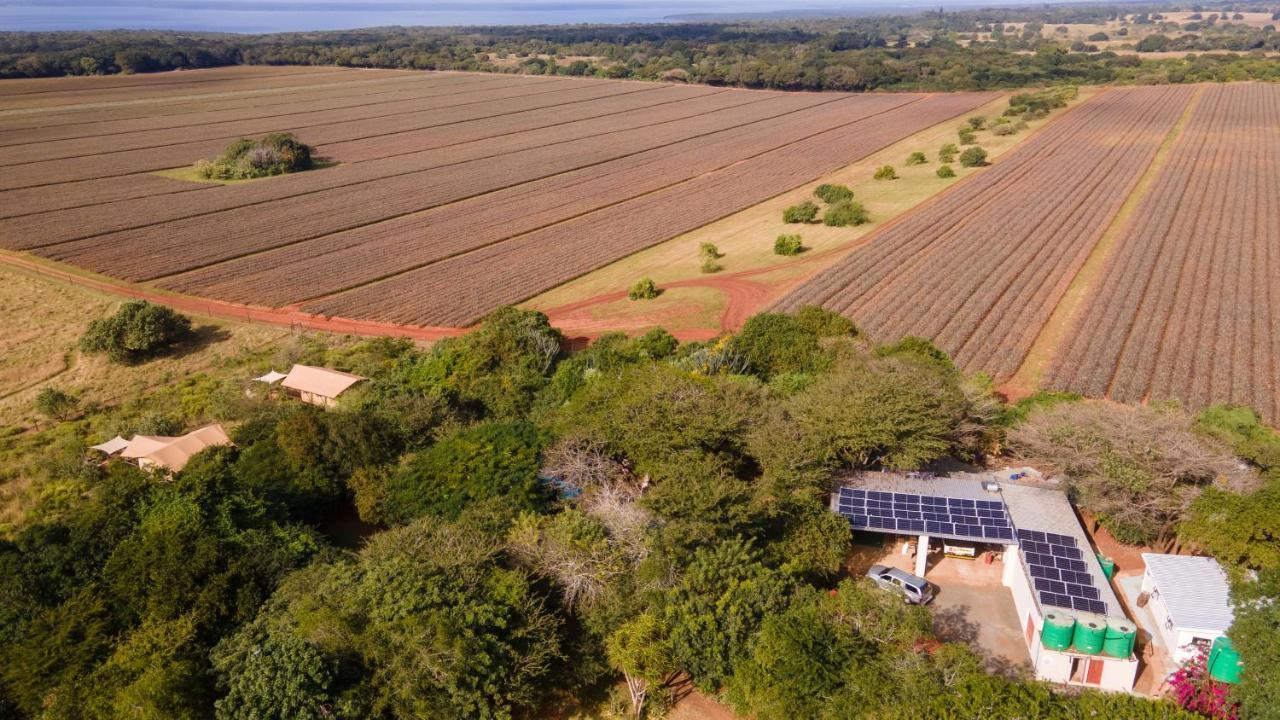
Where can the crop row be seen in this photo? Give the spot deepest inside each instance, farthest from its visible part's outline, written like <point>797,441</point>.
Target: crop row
<point>72,120</point>
<point>1189,306</point>
<point>459,290</point>
<point>55,101</point>
<point>456,138</point>
<point>330,263</point>
<point>979,269</point>
<point>30,145</point>
<point>446,130</point>
<point>31,86</point>
<point>173,247</point>
<point>417,114</point>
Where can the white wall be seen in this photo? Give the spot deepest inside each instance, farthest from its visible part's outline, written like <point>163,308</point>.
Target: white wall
<point>1178,640</point>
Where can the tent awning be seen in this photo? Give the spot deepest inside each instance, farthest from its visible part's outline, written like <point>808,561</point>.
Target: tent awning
<point>272,377</point>
<point>112,446</point>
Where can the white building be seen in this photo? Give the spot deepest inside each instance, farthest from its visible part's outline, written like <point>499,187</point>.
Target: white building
<point>1190,599</point>
<point>1029,511</point>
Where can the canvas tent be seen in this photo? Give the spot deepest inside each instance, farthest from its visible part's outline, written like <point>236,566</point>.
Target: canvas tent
<point>172,453</point>
<point>112,446</point>
<point>317,385</point>
<point>271,378</point>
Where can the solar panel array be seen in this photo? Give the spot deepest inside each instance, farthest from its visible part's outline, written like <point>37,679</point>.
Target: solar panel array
<point>1059,572</point>
<point>976,520</point>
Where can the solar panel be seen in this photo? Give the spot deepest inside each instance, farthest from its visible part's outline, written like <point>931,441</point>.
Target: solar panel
<point>962,518</point>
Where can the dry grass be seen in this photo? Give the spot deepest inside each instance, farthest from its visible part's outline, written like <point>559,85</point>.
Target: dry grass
<point>41,323</point>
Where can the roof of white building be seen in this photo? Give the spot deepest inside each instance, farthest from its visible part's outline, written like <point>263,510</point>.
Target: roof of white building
<point>319,381</point>
<point>1193,589</point>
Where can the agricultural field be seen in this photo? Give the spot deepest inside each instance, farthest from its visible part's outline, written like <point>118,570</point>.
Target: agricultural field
<point>1189,306</point>
<point>444,195</point>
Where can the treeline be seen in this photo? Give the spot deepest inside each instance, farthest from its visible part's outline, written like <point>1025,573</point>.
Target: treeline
<point>540,527</point>
<point>931,51</point>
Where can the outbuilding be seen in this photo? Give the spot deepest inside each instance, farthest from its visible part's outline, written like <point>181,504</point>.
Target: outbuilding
<point>317,385</point>
<point>1190,599</point>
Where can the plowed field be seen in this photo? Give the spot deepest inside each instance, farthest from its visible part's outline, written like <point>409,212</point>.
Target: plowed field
<point>450,193</point>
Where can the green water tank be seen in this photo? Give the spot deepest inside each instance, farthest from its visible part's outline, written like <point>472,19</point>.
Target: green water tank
<point>1119,638</point>
<point>1058,630</point>
<point>1224,661</point>
<point>1091,631</point>
<point>1108,565</point>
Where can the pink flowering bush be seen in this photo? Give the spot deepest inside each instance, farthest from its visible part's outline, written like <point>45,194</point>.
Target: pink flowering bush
<point>1193,689</point>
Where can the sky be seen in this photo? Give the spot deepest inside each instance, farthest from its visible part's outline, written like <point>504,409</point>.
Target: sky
<point>252,16</point>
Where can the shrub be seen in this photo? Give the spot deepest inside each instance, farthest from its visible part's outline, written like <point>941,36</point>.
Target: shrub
<point>709,251</point>
<point>53,403</point>
<point>710,266</point>
<point>787,245</point>
<point>917,158</point>
<point>947,153</point>
<point>645,289</point>
<point>843,214</point>
<point>886,172</point>
<point>805,212</point>
<point>973,157</point>
<point>967,136</point>
<point>137,331</point>
<point>1040,102</point>
<point>832,194</point>
<point>977,122</point>
<point>1002,130</point>
<point>274,154</point>
<point>946,172</point>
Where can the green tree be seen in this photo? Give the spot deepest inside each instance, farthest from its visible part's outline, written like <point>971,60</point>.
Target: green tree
<point>137,331</point>
<point>775,344</point>
<point>805,212</point>
<point>53,403</point>
<point>273,676</point>
<point>832,194</point>
<point>644,289</point>
<point>973,157</point>
<point>947,153</point>
<point>886,172</point>
<point>641,652</point>
<point>967,136</point>
<point>716,608</point>
<point>917,158</point>
<point>1255,636</point>
<point>945,172</point>
<point>494,460</point>
<point>845,213</point>
<point>787,245</point>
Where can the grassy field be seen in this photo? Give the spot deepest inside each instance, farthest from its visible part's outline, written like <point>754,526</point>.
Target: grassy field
<point>746,238</point>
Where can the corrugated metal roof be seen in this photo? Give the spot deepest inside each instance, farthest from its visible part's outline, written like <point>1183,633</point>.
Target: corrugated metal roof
<point>1194,589</point>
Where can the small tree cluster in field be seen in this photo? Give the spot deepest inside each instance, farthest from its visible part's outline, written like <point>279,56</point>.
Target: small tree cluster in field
<point>244,159</point>
<point>138,330</point>
<point>945,172</point>
<point>1037,104</point>
<point>917,158</point>
<point>886,172</point>
<point>645,289</point>
<point>832,194</point>
<point>787,245</point>
<point>843,214</point>
<point>805,212</point>
<point>710,254</point>
<point>973,157</point>
<point>1004,129</point>
<point>967,136</point>
<point>977,122</point>
<point>947,153</point>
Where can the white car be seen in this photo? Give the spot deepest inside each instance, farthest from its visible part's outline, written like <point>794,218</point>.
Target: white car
<point>913,589</point>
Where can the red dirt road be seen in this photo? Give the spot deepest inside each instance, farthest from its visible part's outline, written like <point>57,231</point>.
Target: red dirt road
<point>232,311</point>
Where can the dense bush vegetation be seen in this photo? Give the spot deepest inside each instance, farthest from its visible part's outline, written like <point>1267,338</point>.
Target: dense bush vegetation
<point>845,213</point>
<point>973,157</point>
<point>137,331</point>
<point>245,159</point>
<point>787,245</point>
<point>544,526</point>
<point>805,212</point>
<point>644,289</point>
<point>832,194</point>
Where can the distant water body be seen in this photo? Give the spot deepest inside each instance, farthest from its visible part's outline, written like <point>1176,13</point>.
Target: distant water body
<point>259,16</point>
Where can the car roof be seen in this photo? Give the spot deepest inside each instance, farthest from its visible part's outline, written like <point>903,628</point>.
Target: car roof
<point>906,576</point>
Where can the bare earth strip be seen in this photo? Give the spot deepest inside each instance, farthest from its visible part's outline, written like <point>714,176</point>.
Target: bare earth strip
<point>1188,309</point>
<point>981,267</point>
